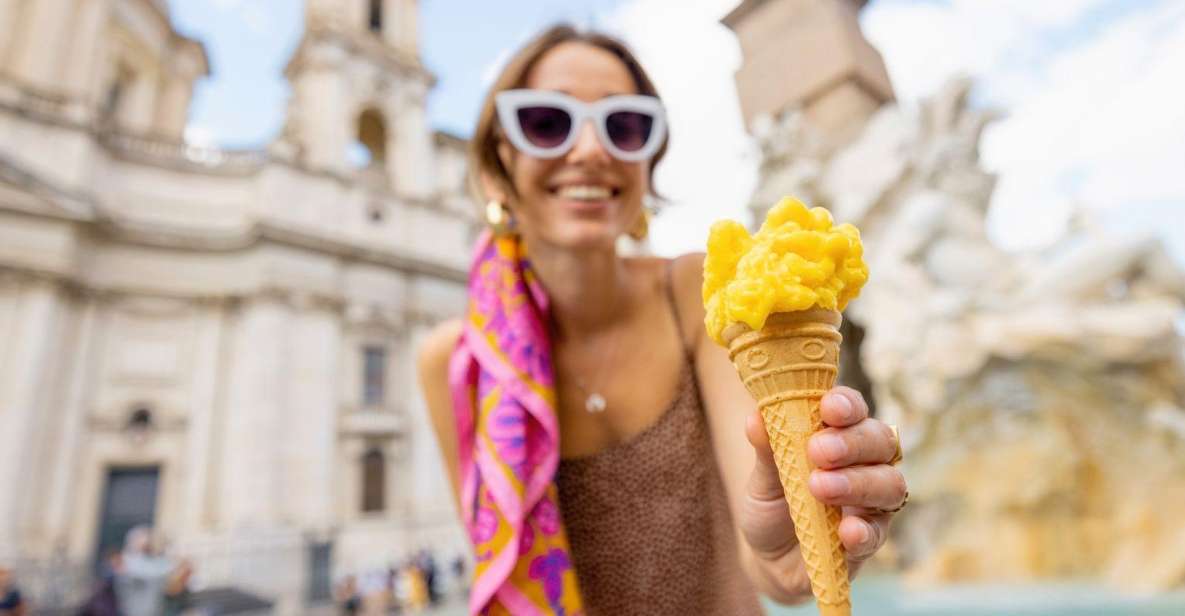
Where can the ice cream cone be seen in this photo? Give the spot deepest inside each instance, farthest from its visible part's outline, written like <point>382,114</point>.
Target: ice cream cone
<point>787,366</point>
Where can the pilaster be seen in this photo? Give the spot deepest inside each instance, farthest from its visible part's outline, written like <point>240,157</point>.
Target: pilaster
<point>25,363</point>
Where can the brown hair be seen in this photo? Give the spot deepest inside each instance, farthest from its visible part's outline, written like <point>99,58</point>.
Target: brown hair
<point>483,147</point>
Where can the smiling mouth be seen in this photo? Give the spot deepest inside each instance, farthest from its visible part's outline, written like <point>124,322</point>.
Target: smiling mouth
<point>582,192</point>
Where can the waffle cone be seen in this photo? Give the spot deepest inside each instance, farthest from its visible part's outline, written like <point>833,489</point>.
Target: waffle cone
<point>787,366</point>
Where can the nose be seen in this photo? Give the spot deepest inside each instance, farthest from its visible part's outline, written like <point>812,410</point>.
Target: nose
<point>588,147</point>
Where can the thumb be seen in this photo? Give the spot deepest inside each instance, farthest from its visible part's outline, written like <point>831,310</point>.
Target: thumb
<point>764,484</point>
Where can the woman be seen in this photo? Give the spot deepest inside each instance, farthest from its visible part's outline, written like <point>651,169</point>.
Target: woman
<point>653,501</point>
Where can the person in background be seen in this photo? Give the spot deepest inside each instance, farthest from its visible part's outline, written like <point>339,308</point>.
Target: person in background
<point>459,581</point>
<point>103,600</point>
<point>427,564</point>
<point>417,590</point>
<point>375,590</point>
<point>11,601</point>
<point>605,456</point>
<point>177,589</point>
<point>347,597</point>
<point>140,589</point>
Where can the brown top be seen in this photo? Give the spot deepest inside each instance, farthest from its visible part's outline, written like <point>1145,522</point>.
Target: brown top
<point>648,520</point>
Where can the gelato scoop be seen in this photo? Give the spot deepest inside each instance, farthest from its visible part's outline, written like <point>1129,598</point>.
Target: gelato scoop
<point>798,260</point>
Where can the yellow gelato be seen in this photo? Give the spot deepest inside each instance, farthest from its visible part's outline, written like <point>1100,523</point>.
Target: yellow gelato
<point>796,261</point>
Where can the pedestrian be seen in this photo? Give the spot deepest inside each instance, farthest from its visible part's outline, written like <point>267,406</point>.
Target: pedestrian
<point>140,588</point>
<point>460,584</point>
<point>431,580</point>
<point>11,601</point>
<point>177,589</point>
<point>347,597</point>
<point>103,600</point>
<point>417,590</point>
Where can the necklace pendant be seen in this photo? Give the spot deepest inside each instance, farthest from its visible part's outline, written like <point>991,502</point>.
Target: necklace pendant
<point>595,403</point>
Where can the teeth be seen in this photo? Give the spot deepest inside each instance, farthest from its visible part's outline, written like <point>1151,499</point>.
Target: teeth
<point>585,193</point>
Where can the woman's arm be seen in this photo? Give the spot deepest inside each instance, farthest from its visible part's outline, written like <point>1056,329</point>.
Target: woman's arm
<point>433,361</point>
<point>768,547</point>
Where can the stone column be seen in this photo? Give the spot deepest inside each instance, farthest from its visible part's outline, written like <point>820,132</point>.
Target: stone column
<point>39,45</point>
<point>311,417</point>
<point>210,351</point>
<point>414,167</point>
<point>250,486</point>
<point>323,121</point>
<point>24,367</point>
<point>406,27</point>
<point>86,47</point>
<point>75,407</point>
<point>10,12</point>
<point>172,107</point>
<point>137,113</point>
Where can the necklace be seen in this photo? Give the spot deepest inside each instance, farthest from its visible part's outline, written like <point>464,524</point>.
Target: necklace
<point>594,402</point>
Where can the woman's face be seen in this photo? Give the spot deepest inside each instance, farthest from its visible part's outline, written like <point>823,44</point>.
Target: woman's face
<point>585,198</point>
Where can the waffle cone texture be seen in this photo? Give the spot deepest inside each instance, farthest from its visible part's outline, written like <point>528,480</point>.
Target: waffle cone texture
<point>787,366</point>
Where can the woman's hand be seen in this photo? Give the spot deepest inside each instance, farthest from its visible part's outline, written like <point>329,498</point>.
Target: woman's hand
<point>851,455</point>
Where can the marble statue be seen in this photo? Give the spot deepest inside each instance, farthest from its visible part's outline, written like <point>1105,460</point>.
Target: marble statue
<point>1041,396</point>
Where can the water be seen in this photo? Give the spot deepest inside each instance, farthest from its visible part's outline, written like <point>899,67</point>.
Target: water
<point>885,596</point>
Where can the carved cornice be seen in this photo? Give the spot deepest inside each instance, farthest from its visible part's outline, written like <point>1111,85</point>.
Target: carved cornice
<point>367,318</point>
<point>363,45</point>
<point>297,298</point>
<point>178,155</point>
<point>57,108</point>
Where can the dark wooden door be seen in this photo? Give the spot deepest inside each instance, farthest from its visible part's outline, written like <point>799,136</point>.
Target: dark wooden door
<point>129,500</point>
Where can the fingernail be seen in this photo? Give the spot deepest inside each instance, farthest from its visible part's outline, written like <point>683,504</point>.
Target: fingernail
<point>833,447</point>
<point>843,404</point>
<point>834,484</point>
<point>865,534</point>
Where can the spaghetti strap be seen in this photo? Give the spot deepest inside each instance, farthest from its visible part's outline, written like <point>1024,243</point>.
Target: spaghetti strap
<point>670,288</point>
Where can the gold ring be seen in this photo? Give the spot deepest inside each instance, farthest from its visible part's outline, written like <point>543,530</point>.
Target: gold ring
<point>899,507</point>
<point>898,454</point>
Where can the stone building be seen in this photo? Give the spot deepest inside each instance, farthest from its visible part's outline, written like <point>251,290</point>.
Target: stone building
<point>220,343</point>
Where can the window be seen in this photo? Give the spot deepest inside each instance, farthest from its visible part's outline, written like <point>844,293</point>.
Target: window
<point>376,16</point>
<point>374,375</point>
<point>140,419</point>
<point>376,211</point>
<point>374,473</point>
<point>367,153</point>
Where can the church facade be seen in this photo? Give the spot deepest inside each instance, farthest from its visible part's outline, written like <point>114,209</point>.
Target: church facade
<point>220,344</point>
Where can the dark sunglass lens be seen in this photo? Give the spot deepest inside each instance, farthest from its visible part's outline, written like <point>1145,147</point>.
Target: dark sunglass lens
<point>629,130</point>
<point>545,127</point>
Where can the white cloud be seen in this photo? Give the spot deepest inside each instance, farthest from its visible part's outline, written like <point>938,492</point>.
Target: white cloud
<point>710,167</point>
<point>1093,93</point>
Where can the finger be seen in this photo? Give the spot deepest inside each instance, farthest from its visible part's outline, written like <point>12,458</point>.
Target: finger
<point>868,442</point>
<point>843,406</point>
<point>863,535</point>
<point>763,482</point>
<point>873,487</point>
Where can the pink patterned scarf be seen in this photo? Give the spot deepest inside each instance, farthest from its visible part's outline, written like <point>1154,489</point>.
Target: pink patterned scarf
<point>505,402</point>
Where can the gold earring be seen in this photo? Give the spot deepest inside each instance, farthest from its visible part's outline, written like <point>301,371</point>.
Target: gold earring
<point>641,226</point>
<point>498,217</point>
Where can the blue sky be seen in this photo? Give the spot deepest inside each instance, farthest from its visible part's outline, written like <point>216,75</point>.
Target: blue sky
<point>249,41</point>
<point>1092,89</point>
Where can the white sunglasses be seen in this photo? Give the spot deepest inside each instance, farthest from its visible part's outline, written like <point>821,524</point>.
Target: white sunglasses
<point>545,124</point>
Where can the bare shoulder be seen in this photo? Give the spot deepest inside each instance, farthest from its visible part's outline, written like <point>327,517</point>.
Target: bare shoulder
<point>437,347</point>
<point>688,280</point>
<point>434,354</point>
